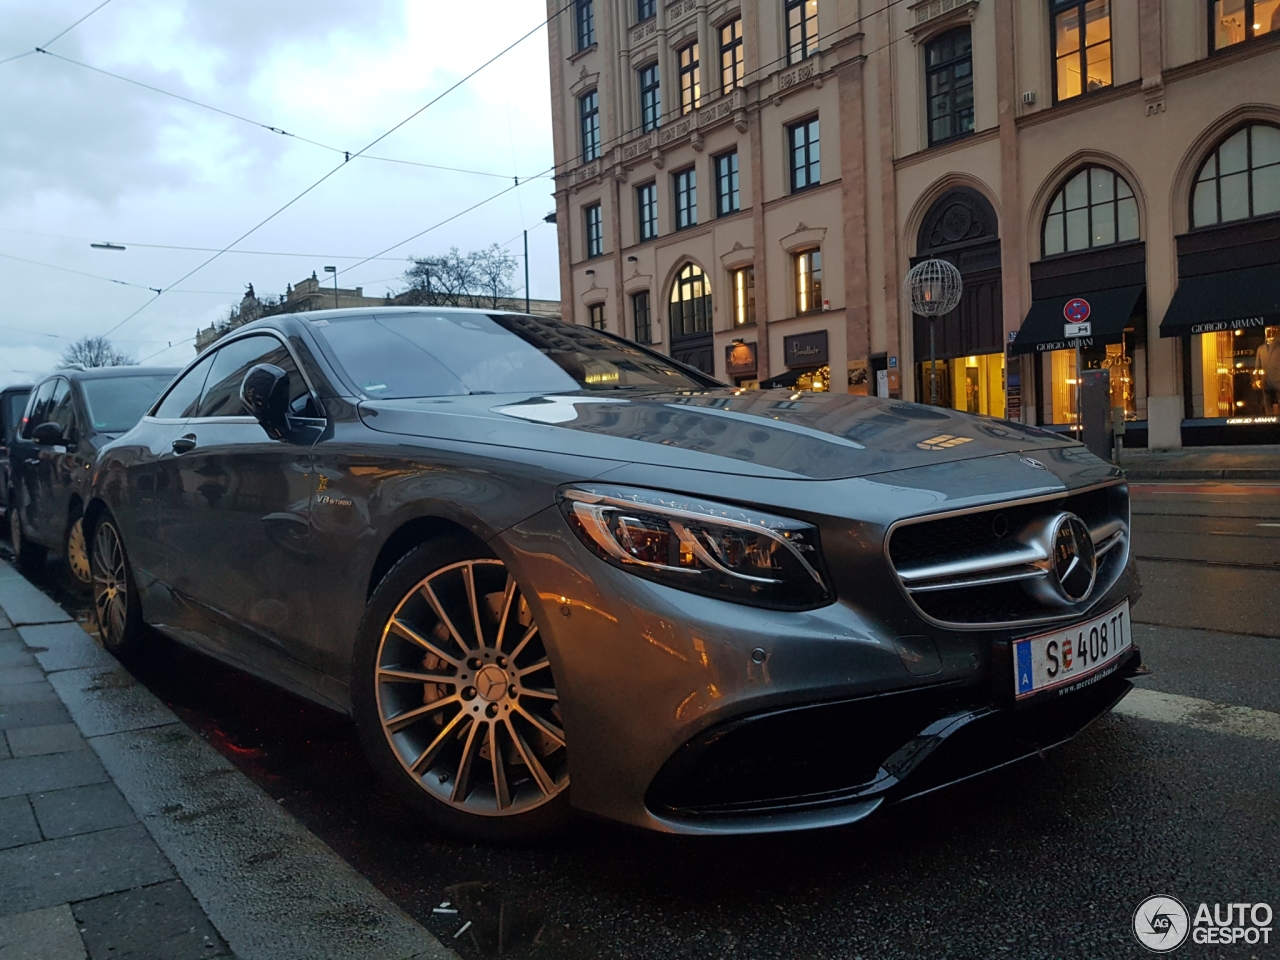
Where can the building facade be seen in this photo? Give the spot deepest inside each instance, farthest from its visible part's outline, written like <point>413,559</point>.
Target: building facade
<point>746,183</point>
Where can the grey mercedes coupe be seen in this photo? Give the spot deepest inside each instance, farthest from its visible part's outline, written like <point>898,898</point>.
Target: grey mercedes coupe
<point>524,554</point>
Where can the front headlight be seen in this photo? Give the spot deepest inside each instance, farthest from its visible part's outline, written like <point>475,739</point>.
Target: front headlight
<point>697,545</point>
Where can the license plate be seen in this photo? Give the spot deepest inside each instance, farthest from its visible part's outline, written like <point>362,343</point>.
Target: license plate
<point>1065,659</point>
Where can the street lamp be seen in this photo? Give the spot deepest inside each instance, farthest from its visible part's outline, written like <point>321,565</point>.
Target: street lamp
<point>934,287</point>
<point>334,271</point>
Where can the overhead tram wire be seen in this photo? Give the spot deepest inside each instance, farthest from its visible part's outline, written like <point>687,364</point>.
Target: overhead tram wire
<point>434,100</point>
<point>57,36</point>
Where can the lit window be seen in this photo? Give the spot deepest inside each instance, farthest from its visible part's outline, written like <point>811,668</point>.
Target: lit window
<point>595,230</point>
<point>1081,46</point>
<point>596,316</point>
<point>686,184</point>
<point>1096,207</point>
<point>808,281</point>
<point>645,9</point>
<point>584,23</point>
<point>690,303</point>
<point>690,79</point>
<point>727,183</point>
<point>806,168</point>
<point>641,317</point>
<point>949,77</point>
<point>650,98</point>
<point>647,211</point>
<point>802,29</point>
<point>732,67</point>
<point>1241,178</point>
<point>589,117</point>
<point>1235,21</point>
<point>744,297</point>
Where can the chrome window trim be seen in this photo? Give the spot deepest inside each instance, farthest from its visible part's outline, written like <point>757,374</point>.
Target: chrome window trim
<point>1111,538</point>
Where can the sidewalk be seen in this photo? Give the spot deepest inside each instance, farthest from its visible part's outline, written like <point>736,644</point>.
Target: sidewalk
<point>1257,464</point>
<point>125,835</point>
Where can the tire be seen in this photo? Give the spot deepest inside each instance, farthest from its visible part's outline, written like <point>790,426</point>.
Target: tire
<point>29,555</point>
<point>115,595</point>
<point>75,554</point>
<point>467,733</point>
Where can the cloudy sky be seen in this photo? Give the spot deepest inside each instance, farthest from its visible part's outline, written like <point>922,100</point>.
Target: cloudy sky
<point>87,157</point>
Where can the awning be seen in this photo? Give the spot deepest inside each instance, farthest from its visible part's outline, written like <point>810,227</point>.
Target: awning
<point>1109,313</point>
<point>1230,300</point>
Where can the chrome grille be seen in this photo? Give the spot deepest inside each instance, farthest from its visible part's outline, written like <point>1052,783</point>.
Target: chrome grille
<point>991,566</point>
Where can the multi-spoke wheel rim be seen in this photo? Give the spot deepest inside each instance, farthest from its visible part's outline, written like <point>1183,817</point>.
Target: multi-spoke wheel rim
<point>77,554</point>
<point>110,582</point>
<point>465,693</point>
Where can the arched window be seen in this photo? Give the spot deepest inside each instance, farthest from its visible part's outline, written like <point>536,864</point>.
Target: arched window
<point>690,303</point>
<point>1241,178</point>
<point>1095,208</point>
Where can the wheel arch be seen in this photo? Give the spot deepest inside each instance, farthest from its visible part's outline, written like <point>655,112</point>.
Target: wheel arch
<point>93,512</point>
<point>410,534</point>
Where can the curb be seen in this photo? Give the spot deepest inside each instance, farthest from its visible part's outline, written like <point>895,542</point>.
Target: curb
<point>271,888</point>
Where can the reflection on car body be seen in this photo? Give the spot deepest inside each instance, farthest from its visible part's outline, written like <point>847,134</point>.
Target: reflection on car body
<point>523,553</point>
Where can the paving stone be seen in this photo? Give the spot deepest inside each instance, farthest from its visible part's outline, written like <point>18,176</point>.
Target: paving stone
<point>31,673</point>
<point>23,603</point>
<point>37,714</point>
<point>54,738</point>
<point>161,922</point>
<point>48,934</point>
<point>54,771</point>
<point>79,868</point>
<point>104,701</point>
<point>4,622</point>
<point>17,823</point>
<point>64,646</point>
<point>96,806</point>
<point>39,692</point>
<point>4,747</point>
<point>15,654</point>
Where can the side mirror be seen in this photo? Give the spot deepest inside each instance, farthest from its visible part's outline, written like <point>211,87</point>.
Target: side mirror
<point>48,433</point>
<point>265,394</point>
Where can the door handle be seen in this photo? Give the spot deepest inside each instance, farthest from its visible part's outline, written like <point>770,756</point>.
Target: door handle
<point>184,443</point>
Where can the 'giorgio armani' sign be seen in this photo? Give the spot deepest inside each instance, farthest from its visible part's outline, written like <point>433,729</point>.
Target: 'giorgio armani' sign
<point>805,349</point>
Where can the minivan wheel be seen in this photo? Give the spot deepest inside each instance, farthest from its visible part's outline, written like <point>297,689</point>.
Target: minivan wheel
<point>76,552</point>
<point>115,597</point>
<point>454,697</point>
<point>29,556</point>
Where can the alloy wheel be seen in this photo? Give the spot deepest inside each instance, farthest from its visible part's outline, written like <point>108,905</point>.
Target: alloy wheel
<point>78,553</point>
<point>465,693</point>
<point>110,583</point>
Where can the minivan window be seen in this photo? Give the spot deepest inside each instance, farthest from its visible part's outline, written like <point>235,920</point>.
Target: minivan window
<point>62,409</point>
<point>231,363</point>
<point>423,354</point>
<point>115,404</point>
<point>37,407</point>
<point>183,398</point>
<point>17,404</point>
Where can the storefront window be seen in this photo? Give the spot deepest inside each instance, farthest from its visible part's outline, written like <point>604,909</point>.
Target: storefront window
<point>1115,357</point>
<point>973,384</point>
<point>1240,371</point>
<point>818,380</point>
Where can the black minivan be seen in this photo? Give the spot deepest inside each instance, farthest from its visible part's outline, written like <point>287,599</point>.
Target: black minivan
<point>69,417</point>
<point>13,402</point>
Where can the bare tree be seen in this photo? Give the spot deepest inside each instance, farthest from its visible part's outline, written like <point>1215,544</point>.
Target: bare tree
<point>455,279</point>
<point>96,352</point>
<point>494,269</point>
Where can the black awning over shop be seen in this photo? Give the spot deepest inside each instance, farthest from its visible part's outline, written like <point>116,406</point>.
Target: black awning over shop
<point>1228,300</point>
<point>1110,311</point>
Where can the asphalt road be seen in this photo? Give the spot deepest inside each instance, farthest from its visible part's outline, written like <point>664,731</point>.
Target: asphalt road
<point>1048,859</point>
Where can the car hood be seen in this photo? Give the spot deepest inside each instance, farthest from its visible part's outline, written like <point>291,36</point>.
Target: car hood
<point>761,433</point>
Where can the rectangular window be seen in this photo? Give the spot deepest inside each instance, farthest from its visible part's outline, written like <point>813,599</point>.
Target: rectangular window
<point>589,116</point>
<point>732,68</point>
<point>808,281</point>
<point>641,317</point>
<point>645,9</point>
<point>650,98</point>
<point>802,29</point>
<point>686,184</point>
<point>595,230</point>
<point>744,297</point>
<point>690,79</point>
<point>1081,46</point>
<point>647,211</point>
<point>727,183</point>
<point>596,316</point>
<point>584,24</point>
<point>806,166</point>
<point>949,81</point>
<point>1235,21</point>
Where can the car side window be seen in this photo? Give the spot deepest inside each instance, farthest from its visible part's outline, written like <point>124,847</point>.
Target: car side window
<point>231,363</point>
<point>62,409</point>
<point>184,396</point>
<point>37,407</point>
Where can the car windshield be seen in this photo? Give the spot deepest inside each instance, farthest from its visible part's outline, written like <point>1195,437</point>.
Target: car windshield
<point>117,403</point>
<point>417,353</point>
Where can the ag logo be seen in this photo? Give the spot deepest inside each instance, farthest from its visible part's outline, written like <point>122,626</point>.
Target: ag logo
<point>1161,923</point>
